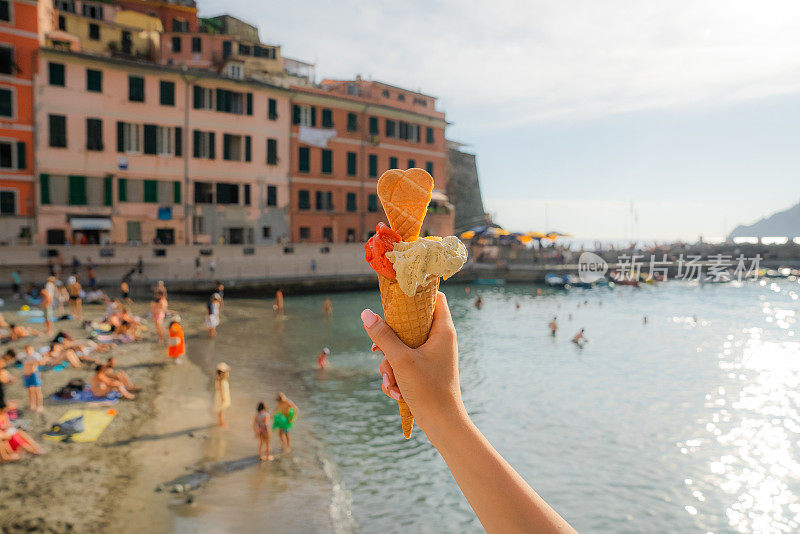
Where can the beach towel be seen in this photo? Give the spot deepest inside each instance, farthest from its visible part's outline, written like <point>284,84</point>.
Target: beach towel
<point>31,313</point>
<point>40,319</point>
<point>94,422</point>
<point>87,397</point>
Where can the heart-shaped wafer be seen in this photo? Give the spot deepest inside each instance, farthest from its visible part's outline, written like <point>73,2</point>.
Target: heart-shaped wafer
<point>405,196</point>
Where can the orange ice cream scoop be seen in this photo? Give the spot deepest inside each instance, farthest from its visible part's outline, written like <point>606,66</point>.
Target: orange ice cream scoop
<point>377,246</point>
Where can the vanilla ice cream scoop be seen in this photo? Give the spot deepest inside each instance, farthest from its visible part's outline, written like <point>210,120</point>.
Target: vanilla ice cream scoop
<point>418,262</point>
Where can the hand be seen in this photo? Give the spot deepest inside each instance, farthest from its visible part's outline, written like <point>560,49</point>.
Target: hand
<point>427,377</point>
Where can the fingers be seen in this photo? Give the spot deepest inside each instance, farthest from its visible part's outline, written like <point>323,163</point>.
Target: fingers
<point>388,381</point>
<point>382,335</point>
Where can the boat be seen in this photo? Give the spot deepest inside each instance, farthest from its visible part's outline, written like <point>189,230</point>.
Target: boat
<point>556,280</point>
<point>489,282</point>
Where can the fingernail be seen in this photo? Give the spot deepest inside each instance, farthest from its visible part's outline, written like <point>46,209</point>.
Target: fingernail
<point>395,395</point>
<point>369,318</point>
<point>385,380</point>
<point>375,348</point>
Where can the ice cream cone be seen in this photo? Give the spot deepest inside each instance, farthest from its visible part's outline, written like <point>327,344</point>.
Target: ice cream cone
<point>411,319</point>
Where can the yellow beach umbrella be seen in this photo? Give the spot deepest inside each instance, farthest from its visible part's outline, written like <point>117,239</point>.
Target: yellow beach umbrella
<point>469,234</point>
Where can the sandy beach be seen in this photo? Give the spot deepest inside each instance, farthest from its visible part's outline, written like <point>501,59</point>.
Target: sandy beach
<point>88,487</point>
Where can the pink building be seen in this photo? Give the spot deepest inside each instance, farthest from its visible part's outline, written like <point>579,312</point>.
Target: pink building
<point>122,158</point>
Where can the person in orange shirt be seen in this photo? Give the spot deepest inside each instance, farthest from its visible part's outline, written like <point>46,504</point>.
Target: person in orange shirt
<point>177,343</point>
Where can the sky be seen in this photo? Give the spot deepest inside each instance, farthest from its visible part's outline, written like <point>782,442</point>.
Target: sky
<point>605,120</point>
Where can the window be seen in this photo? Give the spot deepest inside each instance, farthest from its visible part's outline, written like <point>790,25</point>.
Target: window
<point>401,97</point>
<point>129,137</point>
<point>372,203</point>
<point>373,125</point>
<point>203,98</point>
<point>303,200</point>
<point>227,49</point>
<point>351,163</point>
<point>6,155</point>
<point>352,122</point>
<point>180,25</point>
<point>272,195</point>
<point>6,102</point>
<point>304,115</point>
<point>327,161</point>
<point>58,131</point>
<point>303,163</point>
<point>236,71</point>
<point>94,80</point>
<point>164,140</point>
<point>62,23</point>
<point>176,43</point>
<point>230,101</point>
<point>327,234</point>
<point>55,74</point>
<point>236,147</point>
<point>94,31</point>
<point>203,193</point>
<point>351,202</point>
<point>197,45</point>
<point>227,193</point>
<point>272,151</point>
<point>151,191</point>
<point>305,232</point>
<point>272,109</point>
<point>429,135</point>
<point>391,128</point>
<point>94,134</point>
<point>246,194</point>
<point>392,162</point>
<point>135,88</point>
<point>134,231</point>
<point>385,93</point>
<point>412,163</point>
<point>327,118</point>
<point>204,144</point>
<point>167,93</point>
<point>324,200</point>
<point>266,232</point>
<point>6,59</point>
<point>92,11</point>
<point>5,11</point>
<point>373,165</point>
<point>8,202</point>
<point>413,133</point>
<point>429,167</point>
<point>77,191</point>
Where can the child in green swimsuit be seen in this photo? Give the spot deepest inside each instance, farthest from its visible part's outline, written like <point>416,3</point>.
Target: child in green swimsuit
<point>285,415</point>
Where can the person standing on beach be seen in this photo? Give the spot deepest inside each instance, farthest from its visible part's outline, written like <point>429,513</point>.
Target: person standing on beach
<point>125,292</point>
<point>212,314</point>
<point>32,378</point>
<point>278,306</point>
<point>16,281</point>
<point>222,392</point>
<point>158,309</point>
<point>285,415</point>
<point>92,276</point>
<point>177,342</point>
<point>327,307</point>
<point>262,432</point>
<point>47,305</point>
<point>74,290</point>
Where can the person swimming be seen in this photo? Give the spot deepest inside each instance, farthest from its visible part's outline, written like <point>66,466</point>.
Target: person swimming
<point>285,415</point>
<point>322,359</point>
<point>553,325</point>
<point>579,339</point>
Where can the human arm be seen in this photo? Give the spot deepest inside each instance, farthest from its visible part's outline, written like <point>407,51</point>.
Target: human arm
<point>428,380</point>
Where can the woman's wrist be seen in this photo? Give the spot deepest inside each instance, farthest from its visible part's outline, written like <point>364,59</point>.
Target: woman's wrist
<point>449,428</point>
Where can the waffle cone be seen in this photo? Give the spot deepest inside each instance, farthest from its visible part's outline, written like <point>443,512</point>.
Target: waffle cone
<point>411,319</point>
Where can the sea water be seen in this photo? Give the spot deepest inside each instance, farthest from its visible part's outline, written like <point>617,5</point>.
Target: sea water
<point>686,423</point>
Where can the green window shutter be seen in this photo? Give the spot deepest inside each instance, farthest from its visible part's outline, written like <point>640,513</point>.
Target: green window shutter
<point>135,89</point>
<point>178,141</point>
<point>303,159</point>
<point>198,97</point>
<point>248,148</point>
<point>22,162</point>
<point>327,161</point>
<point>44,189</point>
<point>150,139</point>
<point>196,143</point>
<point>151,191</point>
<point>167,93</point>
<point>246,194</point>
<point>373,165</point>
<point>77,190</point>
<point>249,103</point>
<point>55,73</point>
<point>212,145</point>
<point>226,146</point>
<point>313,116</point>
<point>272,151</point>
<point>176,192</point>
<point>108,198</point>
<point>122,189</point>
<point>393,162</point>
<point>295,114</point>
<point>94,80</point>
<point>120,136</point>
<point>220,99</point>
<point>351,163</point>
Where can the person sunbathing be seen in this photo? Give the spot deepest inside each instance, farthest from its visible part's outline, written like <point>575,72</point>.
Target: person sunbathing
<point>120,376</point>
<point>3,322</point>
<point>101,384</point>
<point>20,332</point>
<point>12,439</point>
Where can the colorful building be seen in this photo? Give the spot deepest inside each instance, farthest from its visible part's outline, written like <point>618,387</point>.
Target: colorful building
<point>19,41</point>
<point>344,135</point>
<point>125,157</point>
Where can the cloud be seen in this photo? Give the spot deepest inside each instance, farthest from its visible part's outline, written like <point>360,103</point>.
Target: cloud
<point>511,62</point>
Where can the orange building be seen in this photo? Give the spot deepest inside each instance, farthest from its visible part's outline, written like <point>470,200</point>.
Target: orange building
<point>19,43</point>
<point>175,15</point>
<point>345,134</point>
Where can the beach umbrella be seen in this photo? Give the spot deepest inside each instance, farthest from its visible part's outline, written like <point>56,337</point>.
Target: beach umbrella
<point>536,235</point>
<point>469,234</point>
